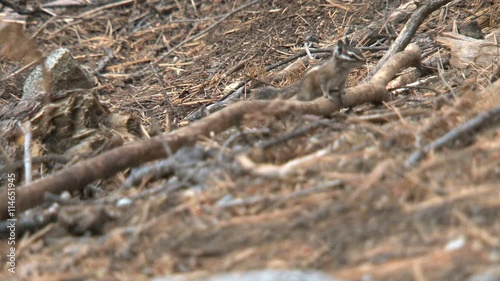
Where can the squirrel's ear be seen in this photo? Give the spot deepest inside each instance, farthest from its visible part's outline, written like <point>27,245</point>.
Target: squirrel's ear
<point>338,48</point>
<point>346,40</point>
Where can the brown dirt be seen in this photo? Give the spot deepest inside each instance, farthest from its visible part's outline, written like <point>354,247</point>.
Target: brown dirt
<point>381,220</point>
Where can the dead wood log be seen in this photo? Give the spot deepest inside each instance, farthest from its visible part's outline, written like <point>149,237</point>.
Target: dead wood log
<point>466,51</point>
<point>102,166</point>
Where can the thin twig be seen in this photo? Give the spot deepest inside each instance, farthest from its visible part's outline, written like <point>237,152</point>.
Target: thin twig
<point>104,7</point>
<point>308,52</point>
<point>489,117</point>
<point>104,61</point>
<point>26,128</point>
<point>20,70</point>
<point>443,79</point>
<point>11,166</point>
<point>169,107</point>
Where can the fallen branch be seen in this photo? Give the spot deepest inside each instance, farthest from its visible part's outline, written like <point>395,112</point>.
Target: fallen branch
<point>107,164</point>
<point>467,129</point>
<point>21,10</point>
<point>409,30</point>
<point>286,170</point>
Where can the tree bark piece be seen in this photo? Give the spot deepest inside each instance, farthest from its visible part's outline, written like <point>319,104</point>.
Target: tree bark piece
<point>466,51</point>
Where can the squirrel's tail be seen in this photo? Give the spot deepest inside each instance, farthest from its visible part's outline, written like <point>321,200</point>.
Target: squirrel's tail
<point>269,93</point>
<point>266,93</point>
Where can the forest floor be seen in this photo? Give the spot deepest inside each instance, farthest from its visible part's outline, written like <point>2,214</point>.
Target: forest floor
<point>332,193</point>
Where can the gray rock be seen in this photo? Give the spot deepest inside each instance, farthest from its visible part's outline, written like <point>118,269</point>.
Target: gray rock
<point>259,275</point>
<point>64,72</point>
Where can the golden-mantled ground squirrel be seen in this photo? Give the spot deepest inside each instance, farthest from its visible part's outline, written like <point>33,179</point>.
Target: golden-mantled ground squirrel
<point>327,79</point>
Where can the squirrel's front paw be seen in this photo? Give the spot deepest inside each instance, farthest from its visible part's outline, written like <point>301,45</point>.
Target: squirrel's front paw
<point>335,96</point>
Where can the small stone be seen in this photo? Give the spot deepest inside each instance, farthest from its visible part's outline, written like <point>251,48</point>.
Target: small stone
<point>124,202</point>
<point>65,195</point>
<point>65,73</point>
<point>455,244</point>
